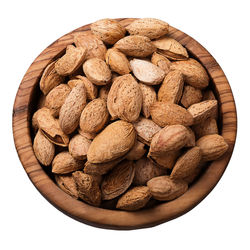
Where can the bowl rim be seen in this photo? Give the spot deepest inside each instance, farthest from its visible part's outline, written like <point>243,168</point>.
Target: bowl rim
<point>113,219</point>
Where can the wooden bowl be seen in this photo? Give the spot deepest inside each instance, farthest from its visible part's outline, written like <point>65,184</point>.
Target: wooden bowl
<point>24,107</point>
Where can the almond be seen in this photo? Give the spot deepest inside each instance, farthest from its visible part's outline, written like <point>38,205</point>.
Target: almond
<point>170,138</point>
<point>118,180</point>
<point>113,142</point>
<point>64,163</point>
<point>148,98</point>
<point>134,199</point>
<point>104,91</point>
<point>50,79</point>
<point>161,61</point>
<point>78,147</point>
<point>71,61</point>
<point>97,71</point>
<point>108,30</point>
<point>71,110</point>
<point>191,140</point>
<point>203,110</point>
<point>190,96</point>
<point>170,48</point>
<point>212,147</point>
<point>88,189</point>
<point>147,72</point>
<point>166,113</point>
<point>94,116</point>
<point>171,88</point>
<point>186,164</point>
<point>137,46</point>
<point>44,150</point>
<point>194,73</point>
<point>165,189</point>
<point>145,170</point>
<point>208,127</point>
<point>146,129</point>
<point>149,27</point>
<point>89,136</point>
<point>95,47</point>
<point>56,97</point>
<point>136,152</point>
<point>67,184</point>
<point>125,98</point>
<point>117,61</point>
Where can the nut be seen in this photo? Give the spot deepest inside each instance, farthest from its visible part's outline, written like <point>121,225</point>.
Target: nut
<point>67,184</point>
<point>190,96</point>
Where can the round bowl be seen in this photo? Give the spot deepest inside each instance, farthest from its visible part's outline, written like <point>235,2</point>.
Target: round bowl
<point>24,107</point>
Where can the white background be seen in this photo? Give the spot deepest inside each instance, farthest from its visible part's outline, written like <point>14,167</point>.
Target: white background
<point>28,221</point>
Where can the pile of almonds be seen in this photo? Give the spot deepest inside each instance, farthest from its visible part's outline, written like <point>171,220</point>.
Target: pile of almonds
<point>126,117</point>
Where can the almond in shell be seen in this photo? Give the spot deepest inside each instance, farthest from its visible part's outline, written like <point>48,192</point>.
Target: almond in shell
<point>137,151</point>
<point>166,113</point>
<point>97,71</point>
<point>208,127</point>
<point>191,95</point>
<point>118,180</point>
<point>148,98</point>
<point>104,91</point>
<point>94,116</point>
<point>71,110</point>
<point>71,61</point>
<point>113,142</point>
<point>67,184</point>
<point>150,27</point>
<point>44,150</point>
<point>136,46</point>
<point>147,72</point>
<point>161,61</point>
<point>171,88</point>
<point>108,30</point>
<point>125,99</point>
<point>134,199</point>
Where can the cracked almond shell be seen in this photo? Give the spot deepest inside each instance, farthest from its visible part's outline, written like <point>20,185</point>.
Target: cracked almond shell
<point>161,61</point>
<point>67,184</point>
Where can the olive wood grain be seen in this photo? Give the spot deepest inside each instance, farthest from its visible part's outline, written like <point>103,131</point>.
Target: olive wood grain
<point>24,107</point>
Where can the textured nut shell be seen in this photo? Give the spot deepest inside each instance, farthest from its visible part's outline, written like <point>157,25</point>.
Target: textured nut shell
<point>189,179</point>
<point>49,126</point>
<point>56,97</point>
<point>44,150</point>
<point>113,142</point>
<point>104,91</point>
<point>208,127</point>
<point>64,163</point>
<point>161,61</point>
<point>118,180</point>
<point>212,147</point>
<point>148,98</point>
<point>125,98</point>
<point>191,140</point>
<point>145,170</point>
<point>71,61</point>
<point>166,113</point>
<point>194,73</point>
<point>50,79</point>
<point>146,129</point>
<point>91,89</point>
<point>165,189</point>
<point>97,71</point>
<point>208,95</point>
<point>71,110</point>
<point>147,72</point>
<point>151,27</point>
<point>86,135</point>
<point>78,147</point>
<point>170,48</point>
<point>169,138</point>
<point>186,164</point>
<point>108,30</point>
<point>95,47</point>
<point>88,189</point>
<point>203,110</point>
<point>167,160</point>
<point>94,116</point>
<point>117,61</point>
<point>34,121</point>
<point>101,168</point>
<point>134,199</point>
<point>67,184</point>
<point>172,87</point>
<point>137,46</point>
<point>190,96</point>
<point>137,151</point>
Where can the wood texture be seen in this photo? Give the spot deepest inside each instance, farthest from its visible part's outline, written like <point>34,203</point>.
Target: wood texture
<point>24,107</point>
